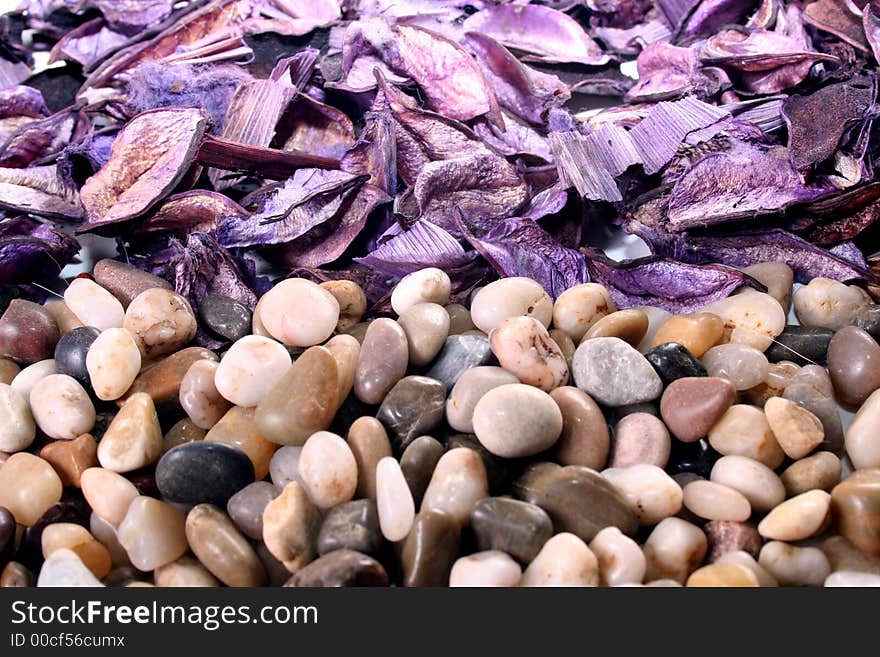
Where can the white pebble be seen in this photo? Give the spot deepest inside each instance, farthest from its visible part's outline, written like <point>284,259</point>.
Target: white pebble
<point>394,500</point>
<point>61,407</point>
<point>64,568</point>
<point>826,303</point>
<point>485,569</point>
<point>93,305</point>
<point>250,368</point>
<point>565,560</point>
<point>794,566</point>
<point>759,484</point>
<point>25,380</point>
<point>328,469</point>
<point>510,297</point>
<point>621,560</point>
<point>430,285</point>
<point>113,362</point>
<point>19,429</point>
<point>299,312</point>
<point>651,493</point>
<point>581,306</point>
<point>674,550</point>
<point>715,501</point>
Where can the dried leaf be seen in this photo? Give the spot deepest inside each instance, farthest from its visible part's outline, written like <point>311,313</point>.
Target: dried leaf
<point>40,191</point>
<point>403,251</point>
<point>22,101</point>
<point>839,18</point>
<point>375,153</point>
<point>196,211</point>
<point>316,128</point>
<point>38,140</point>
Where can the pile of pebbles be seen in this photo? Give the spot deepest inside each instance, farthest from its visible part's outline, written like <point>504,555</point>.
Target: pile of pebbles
<point>517,442</point>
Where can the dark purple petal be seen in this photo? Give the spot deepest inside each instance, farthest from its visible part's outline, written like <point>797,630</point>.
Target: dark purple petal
<point>711,15</point>
<point>315,128</point>
<point>375,153</point>
<point>654,281</point>
<point>88,44</point>
<point>34,255</point>
<point>149,157</point>
<point>676,11</point>
<point>40,191</point>
<point>840,18</point>
<point>129,16</point>
<point>196,211</point>
<point>22,101</point>
<point>38,140</point>
<point>517,138</point>
<point>542,32</point>
<point>667,72</point>
<point>871,25</point>
<point>520,247</point>
<point>401,252</point>
<point>81,160</point>
<point>546,202</point>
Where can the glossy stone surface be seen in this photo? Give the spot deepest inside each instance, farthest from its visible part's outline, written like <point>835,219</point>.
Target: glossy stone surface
<point>827,303</point>
<point>691,406</point>
<point>418,462</point>
<point>742,365</point>
<point>651,494</point>
<point>614,373</point>
<point>821,470</point>
<point>203,472</point>
<point>855,504</point>
<point>222,549</point>
<point>199,397</point>
<point>351,526</point>
<point>162,381</point>
<point>93,305</point>
<point>125,281</point>
<point>629,325</point>
<point>777,276</point>
<point>328,470</point>
<point>225,316</point>
<point>71,458</point>
<point>640,438</point>
<point>853,357</point>
<point>412,408</point>
<point>797,518</point>
<point>290,527</point>
<point>73,537</point>
<point>16,419</point>
<point>510,297</point>
<point>394,500</point>
<point>673,550</point>
<point>517,420</point>
<point>584,439</point>
<point>743,430</point>
<point>382,362</point>
<point>824,408</point>
<point>523,347</point>
<point>246,507</point>
<point>458,482</point>
<point>696,332</point>
<point>250,368</point>
<point>621,560</point>
<point>565,560</point>
<point>28,487</point>
<point>580,307</point>
<point>459,354</point>
<point>351,299</point>
<point>303,401</point>
<point>426,326</point>
<point>369,444</point>
<point>750,317</point>
<point>238,429</point>
<point>673,361</point>
<point>341,568</point>
<point>518,528</point>
<point>134,438</point>
<point>797,430</point>
<point>28,332</point>
<point>801,345</point>
<point>727,536</point>
<point>861,442</point>
<point>71,350</point>
<point>108,493</point>
<point>282,312</point>
<point>113,362</point>
<point>430,549</point>
<point>468,390</point>
<point>153,533</point>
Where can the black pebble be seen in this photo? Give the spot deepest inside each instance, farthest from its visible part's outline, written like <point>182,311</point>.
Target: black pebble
<point>672,361</point>
<point>696,458</point>
<point>351,526</point>
<point>225,316</point>
<point>70,353</point>
<point>203,472</point>
<point>7,535</point>
<point>72,508</point>
<point>801,344</point>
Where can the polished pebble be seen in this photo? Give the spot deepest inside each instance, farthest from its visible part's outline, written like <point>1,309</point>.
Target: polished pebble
<point>517,528</point>
<point>28,333</point>
<point>133,439</point>
<point>868,318</point>
<point>696,332</point>
<point>71,352</point>
<point>65,569</point>
<point>791,565</point>
<point>29,376</point>
<point>369,444</point>
<point>565,560</point>
<point>751,318</point>
<point>291,523</point>
<point>821,470</point>
<point>523,347</point>
<point>15,575</point>
<point>284,466</point>
<point>485,569</point>
<point>113,361</point>
<point>826,303</point>
<point>413,407</point>
<point>351,526</point>
<point>656,318</point>
<point>459,481</point>
<point>93,305</point>
<point>430,549</point>
<point>63,316</point>
<point>225,316</point>
<point>759,484</point>
<point>511,297</point>
<point>726,536</point>
<point>186,572</point>
<point>328,470</point>
<point>161,381</point>
<point>203,472</point>
<point>18,424</point>
<point>778,277</point>
<point>621,560</point>
<point>801,345</point>
<point>672,361</point>
<point>744,366</point>
<point>614,373</point>
<point>843,555</point>
<point>673,550</point>
<point>382,362</point>
<point>719,575</point>
<point>585,438</point>
<point>515,420</point>
<point>28,487</point>
<point>459,318</point>
<point>468,390</point>
<point>651,493</point>
<point>61,407</point>
<point>640,438</point>
<point>71,458</point>
<point>345,351</point>
<point>222,549</point>
<point>417,463</point>
<point>861,442</point>
<point>714,501</point>
<point>746,560</point>
<point>797,430</point>
<point>691,406</point>
<point>629,325</point>
<point>125,281</point>
<point>393,500</point>
<point>153,533</point>
<point>743,430</point>
<point>797,518</point>
<point>238,429</point>
<point>340,568</point>
<point>78,539</point>
<point>460,353</point>
<point>162,322</point>
<point>246,507</point>
<point>823,407</point>
<point>281,312</point>
<point>250,368</point>
<point>199,397</point>
<point>426,326</point>
<point>853,357</point>
<point>430,285</point>
<point>352,302</point>
<point>580,307</point>
<point>182,432</point>
<point>108,493</point>
<point>302,401</point>
<point>850,579</point>
<point>855,504</point>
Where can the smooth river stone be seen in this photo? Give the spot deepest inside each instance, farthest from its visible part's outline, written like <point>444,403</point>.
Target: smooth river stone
<point>744,366</point>
<point>426,326</point>
<point>28,332</point>
<point>640,438</point>
<point>580,307</point>
<point>351,526</point>
<point>672,361</point>
<point>299,313</point>
<point>28,487</point>
<point>524,347</point>
<point>855,504</point>
<point>564,560</point>
<point>225,316</point>
<point>199,397</point>
<point>578,500</point>
<point>798,518</point>
<point>78,539</point>
<point>459,481</point>
<point>850,579</point>
<point>429,285</point>
<point>19,429</point>
<point>843,555</point>
<point>498,470</point>
<point>621,560</point>
<point>777,277</point>
<point>758,483</point>
<point>302,402</point>
<point>291,523</point>
<point>182,432</point>
<point>827,303</point>
<point>468,390</point>
<point>382,361</point>
<point>794,566</point>
<point>134,438</point>
<point>369,443</point>
<point>821,470</point>
<point>153,533</point>
<point>614,373</point>
<point>246,507</point>
<point>222,549</point>
<point>726,536</point>
<point>674,549</point>
<point>459,318</point>
<point>412,408</point>
<point>430,549</point>
<point>510,297</point>
<point>162,380</point>
<point>723,575</point>
<point>868,318</point>
<point>161,320</point>
<point>31,375</point>
<point>714,501</point>
<point>352,302</point>
<point>824,408</point>
<point>460,353</point>
<point>346,351</point>
<point>109,494</point>
<point>651,493</point>
<point>65,569</point>
<point>93,305</point>
<point>284,466</point>
<point>696,332</point>
<point>418,462</point>
<point>801,345</point>
<point>584,439</point>
<point>393,500</point>
<point>517,528</point>
<point>853,358</point>
<point>797,430</point>
<point>125,281</point>
<point>8,370</point>
<point>516,420</point>
<point>71,351</point>
<point>340,568</point>
<point>629,325</point>
<point>237,428</point>
<point>743,430</point>
<point>203,472</point>
<point>862,444</point>
<point>752,318</point>
<point>328,470</point>
<point>15,575</point>
<point>113,361</point>
<point>185,572</point>
<point>691,406</point>
<point>485,569</point>
<point>250,368</point>
<point>71,458</point>
<point>63,316</point>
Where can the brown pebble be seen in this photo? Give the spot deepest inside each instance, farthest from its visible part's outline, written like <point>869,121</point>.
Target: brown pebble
<point>692,405</point>
<point>291,523</point>
<point>125,281</point>
<point>821,470</point>
<point>730,536</point>
<point>28,333</point>
<point>8,370</point>
<point>162,381</point>
<point>238,428</point>
<point>843,555</point>
<point>418,462</point>
<point>71,458</point>
<point>64,316</point>
<point>16,576</point>
<point>181,433</point>
<point>222,549</point>
<point>382,361</point>
<point>585,438</point>
<point>797,430</point>
<point>430,549</point>
<point>854,365</point>
<point>855,506</point>
<point>341,568</point>
<point>352,302</point>
<point>722,575</point>
<point>696,332</point>
<point>629,325</point>
<point>369,443</point>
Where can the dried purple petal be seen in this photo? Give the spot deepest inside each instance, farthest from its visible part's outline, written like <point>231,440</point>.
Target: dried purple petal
<point>35,253</point>
<point>149,157</point>
<point>401,252</point>
<point>375,153</point>
<point>838,17</point>
<point>542,32</point>
<point>88,44</point>
<point>517,138</point>
<point>38,140</point>
<point>196,211</point>
<point>40,191</point>
<point>313,127</point>
<point>654,281</point>
<point>22,101</point>
<point>520,247</point>
<point>711,15</point>
<point>132,15</point>
<point>871,25</point>
<point>667,72</point>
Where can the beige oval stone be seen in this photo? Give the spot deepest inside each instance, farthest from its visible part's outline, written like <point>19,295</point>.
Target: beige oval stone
<point>798,518</point>
<point>345,350</point>
<point>108,493</point>
<point>860,439</point>
<point>459,319</point>
<point>581,306</point>
<point>199,397</point>
<point>93,305</point>
<point>185,572</point>
<point>28,377</point>
<point>105,532</point>
<point>28,487</point>
<point>65,569</point>
<point>491,568</point>
<point>290,527</point>
<point>426,326</point>
<point>429,285</point>
<point>61,407</point>
<point>822,470</point>
<point>565,560</point>
<point>369,444</point>
<point>299,312</point>
<point>621,560</point>
<point>744,431</point>
<point>674,550</point>
<point>394,500</point>
<point>161,320</point>
<point>328,470</point>
<point>758,483</point>
<point>468,390</point>
<point>382,361</point>
<point>746,560</point>
<point>352,302</point>
<point>303,401</point>
<point>651,493</point>
<point>523,346</point>
<point>516,420</point>
<point>797,430</point>
<point>510,297</point>
<point>19,429</point>
<point>722,575</point>
<point>250,368</point>
<point>715,501</point>
<point>458,483</point>
<point>153,533</point>
<point>113,362</point>
<point>779,279</point>
<point>222,549</point>
<point>237,428</point>
<point>63,316</point>
<point>827,303</point>
<point>696,332</point>
<point>752,318</point>
<point>629,325</point>
<point>134,438</point>
<point>78,539</point>
<point>794,566</point>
